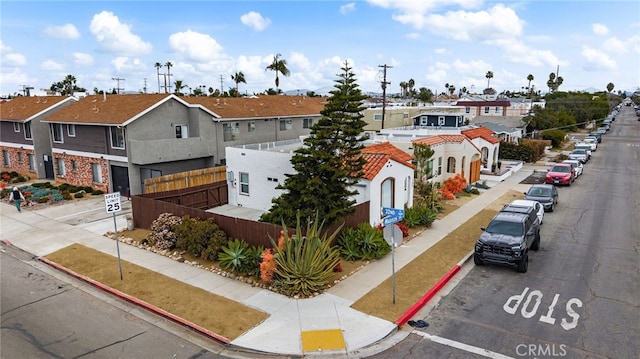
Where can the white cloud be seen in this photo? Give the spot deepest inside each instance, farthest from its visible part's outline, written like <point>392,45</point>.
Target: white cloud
<point>437,74</point>
<point>3,47</point>
<point>15,59</point>
<point>412,12</point>
<point>499,22</point>
<point>413,35</point>
<point>66,31</point>
<point>441,51</point>
<point>348,8</point>
<point>115,36</point>
<point>123,64</point>
<point>50,65</point>
<point>596,60</point>
<point>600,29</point>
<point>300,61</point>
<point>83,59</point>
<point>195,46</point>
<point>255,21</point>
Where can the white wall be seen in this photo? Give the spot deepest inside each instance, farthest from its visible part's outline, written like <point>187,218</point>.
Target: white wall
<point>401,196</point>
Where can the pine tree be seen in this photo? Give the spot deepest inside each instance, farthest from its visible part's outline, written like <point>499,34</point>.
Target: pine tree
<point>329,162</point>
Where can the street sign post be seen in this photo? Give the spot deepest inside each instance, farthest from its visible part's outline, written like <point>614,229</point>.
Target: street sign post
<point>391,215</point>
<point>393,235</point>
<point>112,205</point>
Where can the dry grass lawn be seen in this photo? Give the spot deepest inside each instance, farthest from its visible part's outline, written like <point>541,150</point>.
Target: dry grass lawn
<point>230,319</point>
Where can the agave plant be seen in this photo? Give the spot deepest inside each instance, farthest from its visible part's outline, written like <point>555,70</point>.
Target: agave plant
<point>234,255</point>
<point>306,261</point>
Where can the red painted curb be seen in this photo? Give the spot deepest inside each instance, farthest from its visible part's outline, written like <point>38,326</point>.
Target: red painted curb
<point>5,241</point>
<point>427,296</point>
<point>139,302</point>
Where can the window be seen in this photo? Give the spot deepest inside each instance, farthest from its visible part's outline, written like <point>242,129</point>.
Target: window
<point>307,123</point>
<point>56,129</point>
<point>424,120</point>
<point>451,165</point>
<point>441,121</point>
<point>117,137</point>
<point>19,157</point>
<point>405,116</point>
<point>74,165</point>
<point>60,166</point>
<point>286,125</point>
<point>486,109</point>
<point>96,173</point>
<point>27,130</point>
<point>251,126</point>
<point>497,109</point>
<point>231,131</point>
<point>5,158</point>
<point>182,131</point>
<point>377,117</point>
<point>386,193</point>
<point>32,162</point>
<point>71,130</point>
<point>429,169</point>
<point>244,183</point>
<point>16,126</point>
<point>467,109</point>
<point>439,166</point>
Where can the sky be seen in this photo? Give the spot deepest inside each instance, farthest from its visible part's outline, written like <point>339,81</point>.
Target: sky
<point>434,42</point>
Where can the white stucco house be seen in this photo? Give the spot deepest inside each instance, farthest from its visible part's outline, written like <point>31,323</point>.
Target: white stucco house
<point>254,171</point>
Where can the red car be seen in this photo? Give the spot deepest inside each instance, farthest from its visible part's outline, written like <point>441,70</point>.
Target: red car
<point>561,173</point>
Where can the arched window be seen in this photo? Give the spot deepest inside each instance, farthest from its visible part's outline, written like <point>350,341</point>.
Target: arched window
<point>386,193</point>
<point>451,165</point>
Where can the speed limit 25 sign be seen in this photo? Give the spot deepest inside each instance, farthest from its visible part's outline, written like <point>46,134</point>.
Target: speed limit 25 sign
<point>112,202</point>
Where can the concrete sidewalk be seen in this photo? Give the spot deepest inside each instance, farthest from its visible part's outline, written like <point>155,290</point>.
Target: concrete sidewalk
<point>351,333</point>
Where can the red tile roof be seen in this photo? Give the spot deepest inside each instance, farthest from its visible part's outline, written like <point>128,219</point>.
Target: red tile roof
<point>482,132</point>
<point>439,139</point>
<point>379,154</point>
<point>22,108</point>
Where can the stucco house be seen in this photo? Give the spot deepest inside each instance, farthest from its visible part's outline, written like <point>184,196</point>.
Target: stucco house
<point>115,142</point>
<point>254,171</point>
<point>25,141</point>
<point>453,154</point>
<point>489,145</point>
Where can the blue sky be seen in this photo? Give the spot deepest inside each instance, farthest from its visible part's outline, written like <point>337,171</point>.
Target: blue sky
<point>433,42</point>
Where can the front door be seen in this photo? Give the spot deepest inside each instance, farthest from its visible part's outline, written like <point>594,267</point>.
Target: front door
<point>120,177</point>
<point>48,167</point>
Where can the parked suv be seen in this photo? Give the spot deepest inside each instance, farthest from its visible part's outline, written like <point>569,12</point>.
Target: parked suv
<point>508,238</point>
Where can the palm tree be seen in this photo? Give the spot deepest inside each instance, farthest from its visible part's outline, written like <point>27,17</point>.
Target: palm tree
<point>452,89</point>
<point>158,66</point>
<point>411,84</point>
<point>279,67</point>
<point>530,78</point>
<point>168,65</point>
<point>179,87</point>
<point>237,78</point>
<point>489,76</point>
<point>403,88</point>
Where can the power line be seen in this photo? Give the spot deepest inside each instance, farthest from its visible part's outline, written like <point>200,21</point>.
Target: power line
<point>384,84</point>
<point>117,80</point>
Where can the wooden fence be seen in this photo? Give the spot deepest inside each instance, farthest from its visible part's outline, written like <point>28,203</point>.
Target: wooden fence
<point>186,179</point>
<point>147,207</point>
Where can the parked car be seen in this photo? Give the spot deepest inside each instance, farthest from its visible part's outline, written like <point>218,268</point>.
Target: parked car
<point>577,166</point>
<point>560,173</point>
<point>580,155</point>
<point>517,204</point>
<point>591,141</point>
<point>597,135</point>
<point>507,240</point>
<point>584,146</point>
<point>546,194</point>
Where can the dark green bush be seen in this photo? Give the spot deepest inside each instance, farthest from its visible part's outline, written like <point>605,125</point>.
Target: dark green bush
<point>78,195</point>
<point>521,152</point>
<point>555,136</point>
<point>66,195</point>
<point>363,243</point>
<point>200,238</point>
<point>43,199</point>
<point>97,192</point>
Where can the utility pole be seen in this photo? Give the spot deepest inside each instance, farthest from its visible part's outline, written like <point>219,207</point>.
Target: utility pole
<point>221,86</point>
<point>117,80</point>
<point>384,91</point>
<point>26,90</point>
<point>144,89</point>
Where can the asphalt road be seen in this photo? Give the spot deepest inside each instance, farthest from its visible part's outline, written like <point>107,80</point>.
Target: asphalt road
<point>581,295</point>
<point>45,317</point>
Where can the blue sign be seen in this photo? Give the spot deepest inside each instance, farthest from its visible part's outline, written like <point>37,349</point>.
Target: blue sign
<point>386,211</point>
<point>391,220</point>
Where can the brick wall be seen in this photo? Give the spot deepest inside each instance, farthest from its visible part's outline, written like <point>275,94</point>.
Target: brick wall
<point>82,175</point>
<point>21,167</point>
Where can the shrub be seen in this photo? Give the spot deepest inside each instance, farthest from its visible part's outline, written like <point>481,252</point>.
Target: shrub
<point>66,195</point>
<point>305,264</point>
<point>267,266</point>
<point>555,136</point>
<point>404,229</point>
<point>252,265</point>
<point>200,238</point>
<point>162,234</point>
<point>78,195</point>
<point>560,157</point>
<point>411,217</point>
<point>43,199</point>
<point>97,192</point>
<point>363,243</point>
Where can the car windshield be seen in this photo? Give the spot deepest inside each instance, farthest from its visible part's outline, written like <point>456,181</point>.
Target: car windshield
<point>580,152</point>
<point>561,169</point>
<point>539,192</point>
<point>507,228</point>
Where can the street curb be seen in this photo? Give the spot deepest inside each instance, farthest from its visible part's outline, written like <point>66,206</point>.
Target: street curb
<point>138,302</point>
<point>404,318</point>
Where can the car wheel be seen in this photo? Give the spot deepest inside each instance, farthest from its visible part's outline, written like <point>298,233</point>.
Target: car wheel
<point>477,260</point>
<point>536,242</point>
<point>523,265</point>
